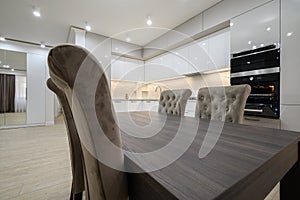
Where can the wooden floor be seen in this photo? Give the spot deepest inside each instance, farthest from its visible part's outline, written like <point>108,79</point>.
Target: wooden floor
<point>35,164</point>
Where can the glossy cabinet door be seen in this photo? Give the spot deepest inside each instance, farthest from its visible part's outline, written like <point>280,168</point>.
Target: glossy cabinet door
<point>290,65</point>
<point>290,57</point>
<point>219,50</point>
<point>198,55</point>
<point>159,68</point>
<point>36,85</point>
<point>127,69</point>
<point>225,10</point>
<point>256,28</point>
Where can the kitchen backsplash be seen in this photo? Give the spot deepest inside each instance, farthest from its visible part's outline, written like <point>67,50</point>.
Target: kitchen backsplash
<point>140,90</point>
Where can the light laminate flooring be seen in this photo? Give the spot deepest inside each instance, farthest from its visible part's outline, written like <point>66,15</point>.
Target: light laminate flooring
<point>35,164</point>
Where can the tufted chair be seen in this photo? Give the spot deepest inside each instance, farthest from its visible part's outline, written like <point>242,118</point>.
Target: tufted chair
<point>74,143</point>
<point>173,102</point>
<point>222,103</point>
<point>81,78</point>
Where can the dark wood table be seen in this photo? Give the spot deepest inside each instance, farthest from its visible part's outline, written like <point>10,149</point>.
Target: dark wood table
<point>246,162</point>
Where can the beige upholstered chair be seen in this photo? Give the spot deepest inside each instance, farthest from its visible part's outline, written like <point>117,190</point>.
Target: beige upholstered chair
<point>222,103</point>
<point>74,143</point>
<point>78,74</point>
<point>173,102</point>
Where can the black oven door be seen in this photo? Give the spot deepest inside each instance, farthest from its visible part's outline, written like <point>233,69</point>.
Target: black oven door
<point>264,97</point>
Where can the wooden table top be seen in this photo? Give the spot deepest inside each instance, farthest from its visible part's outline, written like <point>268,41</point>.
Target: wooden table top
<point>246,162</point>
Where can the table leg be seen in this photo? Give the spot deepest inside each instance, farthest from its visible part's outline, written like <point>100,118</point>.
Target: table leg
<point>290,184</point>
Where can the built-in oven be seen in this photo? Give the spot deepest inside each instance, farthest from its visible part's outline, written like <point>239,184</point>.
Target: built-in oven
<point>261,70</point>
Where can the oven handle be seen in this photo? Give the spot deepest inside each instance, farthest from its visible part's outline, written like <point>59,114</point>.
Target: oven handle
<point>255,72</point>
<point>253,110</point>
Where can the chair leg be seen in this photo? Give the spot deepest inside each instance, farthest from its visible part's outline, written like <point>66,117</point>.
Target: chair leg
<point>78,196</point>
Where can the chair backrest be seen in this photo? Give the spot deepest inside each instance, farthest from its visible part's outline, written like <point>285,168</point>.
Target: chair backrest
<point>173,102</point>
<point>222,103</point>
<point>73,138</point>
<point>81,77</point>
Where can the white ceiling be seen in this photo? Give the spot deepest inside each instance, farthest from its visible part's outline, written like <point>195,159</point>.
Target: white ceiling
<point>113,18</point>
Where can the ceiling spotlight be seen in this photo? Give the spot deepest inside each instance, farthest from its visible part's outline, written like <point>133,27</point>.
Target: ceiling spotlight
<point>12,70</point>
<point>36,11</point>
<point>269,29</point>
<point>254,47</point>
<point>289,34</point>
<point>128,39</point>
<point>203,44</point>
<point>87,27</point>
<point>250,42</point>
<point>2,38</point>
<point>149,21</point>
<point>231,23</point>
<point>262,45</point>
<point>42,45</point>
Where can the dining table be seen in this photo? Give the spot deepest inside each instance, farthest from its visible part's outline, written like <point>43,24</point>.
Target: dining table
<point>179,157</point>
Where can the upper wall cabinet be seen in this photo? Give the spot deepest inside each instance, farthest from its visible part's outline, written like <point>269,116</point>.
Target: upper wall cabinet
<point>219,50</point>
<point>205,54</point>
<point>127,69</point>
<point>256,28</point>
<point>228,9</point>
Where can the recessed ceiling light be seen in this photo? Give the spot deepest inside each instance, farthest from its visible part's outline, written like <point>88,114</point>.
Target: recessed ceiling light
<point>254,47</point>
<point>36,11</point>
<point>128,39</point>
<point>2,38</point>
<point>269,29</point>
<point>6,66</point>
<point>289,34</point>
<point>149,21</point>
<point>12,70</point>
<point>262,45</point>
<point>250,42</point>
<point>87,27</point>
<point>42,45</point>
<point>203,44</point>
<point>231,23</point>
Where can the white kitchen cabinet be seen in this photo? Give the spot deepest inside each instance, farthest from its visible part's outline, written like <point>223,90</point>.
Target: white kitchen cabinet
<point>159,68</point>
<point>290,115</point>
<point>127,69</point>
<point>250,29</point>
<point>36,85</point>
<point>226,10</point>
<point>290,59</point>
<point>198,55</point>
<point>219,50</point>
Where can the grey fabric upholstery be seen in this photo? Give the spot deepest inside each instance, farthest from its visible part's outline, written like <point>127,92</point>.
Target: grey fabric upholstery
<point>74,143</point>
<point>75,71</point>
<point>222,103</point>
<point>173,102</point>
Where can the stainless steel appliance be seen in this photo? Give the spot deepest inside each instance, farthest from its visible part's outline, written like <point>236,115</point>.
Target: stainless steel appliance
<point>260,68</point>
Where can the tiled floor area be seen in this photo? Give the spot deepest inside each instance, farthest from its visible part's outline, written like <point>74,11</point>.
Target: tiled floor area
<point>35,164</point>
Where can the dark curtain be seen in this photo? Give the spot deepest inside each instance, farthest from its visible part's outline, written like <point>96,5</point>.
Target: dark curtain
<point>7,93</point>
